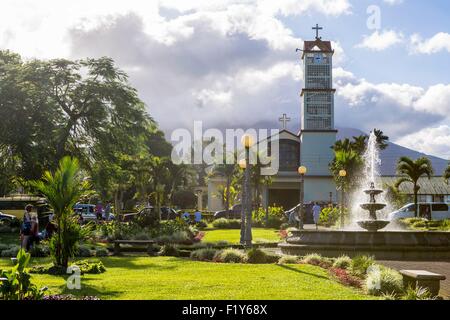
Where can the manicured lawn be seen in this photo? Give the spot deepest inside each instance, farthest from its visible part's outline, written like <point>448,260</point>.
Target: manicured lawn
<point>178,278</point>
<point>233,235</point>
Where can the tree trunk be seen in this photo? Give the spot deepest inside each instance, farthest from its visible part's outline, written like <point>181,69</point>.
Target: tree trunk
<point>227,200</point>
<point>416,209</point>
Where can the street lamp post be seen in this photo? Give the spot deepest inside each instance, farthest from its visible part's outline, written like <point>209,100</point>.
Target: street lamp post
<point>247,141</point>
<point>302,172</point>
<point>243,165</point>
<point>342,175</point>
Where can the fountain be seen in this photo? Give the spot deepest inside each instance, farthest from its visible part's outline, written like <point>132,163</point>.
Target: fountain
<point>369,240</point>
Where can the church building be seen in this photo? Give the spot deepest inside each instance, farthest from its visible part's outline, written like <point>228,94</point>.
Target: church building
<point>311,147</point>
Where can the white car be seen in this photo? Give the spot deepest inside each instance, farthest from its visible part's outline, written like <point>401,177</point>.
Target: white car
<point>438,210</point>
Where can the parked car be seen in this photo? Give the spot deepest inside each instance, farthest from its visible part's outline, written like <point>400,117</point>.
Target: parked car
<point>166,213</point>
<point>87,211</point>
<point>8,218</point>
<point>233,213</point>
<point>438,210</point>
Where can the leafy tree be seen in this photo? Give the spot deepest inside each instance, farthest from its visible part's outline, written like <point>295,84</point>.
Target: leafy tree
<point>62,189</point>
<point>447,173</point>
<point>227,171</point>
<point>411,171</point>
<point>352,163</point>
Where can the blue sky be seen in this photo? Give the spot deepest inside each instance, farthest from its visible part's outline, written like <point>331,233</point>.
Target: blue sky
<point>232,63</point>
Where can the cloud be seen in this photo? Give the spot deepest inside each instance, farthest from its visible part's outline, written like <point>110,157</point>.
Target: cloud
<point>433,141</point>
<point>439,42</point>
<point>379,41</point>
<point>393,2</point>
<point>398,109</point>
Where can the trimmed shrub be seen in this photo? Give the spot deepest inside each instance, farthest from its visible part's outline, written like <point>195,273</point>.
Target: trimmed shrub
<point>289,260</point>
<point>101,252</point>
<point>40,251</point>
<point>205,254</point>
<point>343,262</point>
<point>84,251</point>
<point>223,223</point>
<point>86,267</point>
<point>381,280</point>
<point>169,250</point>
<point>230,256</point>
<point>360,264</point>
<point>256,255</point>
<point>11,252</point>
<point>317,260</point>
<point>3,246</point>
<point>272,258</point>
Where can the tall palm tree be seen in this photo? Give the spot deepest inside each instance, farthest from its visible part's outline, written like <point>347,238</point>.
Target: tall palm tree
<point>352,162</point>
<point>62,189</point>
<point>447,173</point>
<point>382,139</point>
<point>412,171</point>
<point>226,171</point>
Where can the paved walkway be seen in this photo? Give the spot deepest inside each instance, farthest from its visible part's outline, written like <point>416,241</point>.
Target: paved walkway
<point>441,267</point>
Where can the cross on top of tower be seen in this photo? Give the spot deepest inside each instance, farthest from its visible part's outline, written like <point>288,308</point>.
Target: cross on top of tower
<point>284,119</point>
<point>317,28</point>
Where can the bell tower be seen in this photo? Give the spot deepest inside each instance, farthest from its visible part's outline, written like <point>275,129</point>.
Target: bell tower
<point>317,132</point>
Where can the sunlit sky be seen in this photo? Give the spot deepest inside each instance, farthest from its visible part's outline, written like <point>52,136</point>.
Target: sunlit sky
<point>233,63</point>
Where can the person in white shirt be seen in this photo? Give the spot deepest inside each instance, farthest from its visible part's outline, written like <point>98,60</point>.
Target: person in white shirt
<point>316,214</point>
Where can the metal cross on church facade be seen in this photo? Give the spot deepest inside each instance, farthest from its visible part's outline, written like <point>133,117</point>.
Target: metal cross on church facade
<point>317,28</point>
<point>284,119</point>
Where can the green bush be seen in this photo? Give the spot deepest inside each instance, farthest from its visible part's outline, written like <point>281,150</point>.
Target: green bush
<point>256,255</point>
<point>205,254</point>
<point>289,260</point>
<point>3,246</point>
<point>329,216</point>
<point>11,252</point>
<point>40,250</point>
<point>101,252</point>
<point>230,256</point>
<point>18,285</point>
<point>343,262</point>
<point>417,294</point>
<point>223,223</point>
<point>169,250</point>
<point>317,260</point>
<point>360,264</point>
<point>86,267</point>
<point>381,280</point>
<point>84,251</point>
<point>276,217</point>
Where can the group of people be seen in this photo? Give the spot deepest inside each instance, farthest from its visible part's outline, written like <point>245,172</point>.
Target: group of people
<point>103,213</point>
<point>29,231</point>
<point>187,217</point>
<point>316,210</point>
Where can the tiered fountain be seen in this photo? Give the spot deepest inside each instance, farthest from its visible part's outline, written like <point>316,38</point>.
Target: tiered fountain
<point>369,240</point>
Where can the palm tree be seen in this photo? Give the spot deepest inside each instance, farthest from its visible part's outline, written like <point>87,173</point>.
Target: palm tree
<point>447,173</point>
<point>412,171</point>
<point>62,189</point>
<point>381,139</point>
<point>351,162</point>
<point>226,171</point>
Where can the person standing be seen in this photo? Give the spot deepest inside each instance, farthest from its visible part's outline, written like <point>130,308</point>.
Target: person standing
<point>25,230</point>
<point>107,211</point>
<point>99,210</point>
<point>316,214</point>
<point>197,216</point>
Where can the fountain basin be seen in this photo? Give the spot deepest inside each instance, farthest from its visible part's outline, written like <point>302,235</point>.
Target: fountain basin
<point>373,225</point>
<point>383,245</point>
<point>372,206</point>
<point>373,191</point>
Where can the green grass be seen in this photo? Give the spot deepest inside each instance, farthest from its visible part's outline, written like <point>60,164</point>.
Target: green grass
<point>426,225</point>
<point>177,278</point>
<point>233,235</point>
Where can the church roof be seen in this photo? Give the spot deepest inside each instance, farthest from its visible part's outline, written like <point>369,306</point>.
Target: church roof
<point>324,46</point>
<point>435,185</point>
